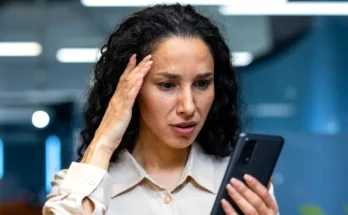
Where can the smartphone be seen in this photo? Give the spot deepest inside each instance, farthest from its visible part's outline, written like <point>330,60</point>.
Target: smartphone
<point>255,154</point>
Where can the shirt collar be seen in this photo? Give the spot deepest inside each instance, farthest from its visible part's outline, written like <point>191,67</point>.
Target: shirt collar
<point>127,172</point>
<point>200,168</point>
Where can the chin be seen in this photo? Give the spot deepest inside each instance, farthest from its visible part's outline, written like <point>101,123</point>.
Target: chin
<point>180,143</point>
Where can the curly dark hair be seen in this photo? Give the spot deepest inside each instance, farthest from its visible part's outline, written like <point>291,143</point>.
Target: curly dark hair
<point>141,33</point>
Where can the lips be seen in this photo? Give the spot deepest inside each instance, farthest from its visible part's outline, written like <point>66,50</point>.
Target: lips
<point>184,128</point>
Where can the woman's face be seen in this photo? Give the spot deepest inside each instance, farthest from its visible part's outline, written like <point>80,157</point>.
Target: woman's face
<point>178,92</point>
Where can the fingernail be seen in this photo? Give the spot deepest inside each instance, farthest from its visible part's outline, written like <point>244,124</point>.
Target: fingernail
<point>223,201</point>
<point>230,188</point>
<point>148,64</point>
<point>248,178</point>
<point>236,182</point>
<point>133,56</point>
<point>148,57</point>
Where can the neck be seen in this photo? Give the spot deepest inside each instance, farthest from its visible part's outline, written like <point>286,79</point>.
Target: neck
<point>153,155</point>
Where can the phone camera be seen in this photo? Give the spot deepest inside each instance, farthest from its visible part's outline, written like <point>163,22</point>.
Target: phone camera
<point>247,152</point>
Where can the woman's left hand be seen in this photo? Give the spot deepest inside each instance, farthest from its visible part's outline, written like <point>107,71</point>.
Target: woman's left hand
<point>254,199</point>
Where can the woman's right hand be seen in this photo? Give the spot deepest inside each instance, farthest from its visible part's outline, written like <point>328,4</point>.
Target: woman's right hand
<point>118,114</point>
<point>119,111</point>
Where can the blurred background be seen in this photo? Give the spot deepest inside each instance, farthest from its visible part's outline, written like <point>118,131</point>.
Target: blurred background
<point>292,57</point>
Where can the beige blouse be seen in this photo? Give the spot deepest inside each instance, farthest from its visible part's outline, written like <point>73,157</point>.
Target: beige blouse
<point>127,189</point>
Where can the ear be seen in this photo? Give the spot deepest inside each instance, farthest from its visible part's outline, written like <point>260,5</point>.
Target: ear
<point>269,183</point>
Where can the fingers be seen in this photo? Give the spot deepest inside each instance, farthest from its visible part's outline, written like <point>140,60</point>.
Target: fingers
<point>132,83</point>
<point>133,73</point>
<point>145,67</point>
<point>261,191</point>
<point>133,92</point>
<point>143,64</point>
<point>253,198</point>
<point>119,111</point>
<point>248,199</point>
<point>132,67</point>
<point>246,207</point>
<point>139,77</point>
<point>226,206</point>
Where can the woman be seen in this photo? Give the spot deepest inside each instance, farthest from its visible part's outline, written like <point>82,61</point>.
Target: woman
<point>160,121</point>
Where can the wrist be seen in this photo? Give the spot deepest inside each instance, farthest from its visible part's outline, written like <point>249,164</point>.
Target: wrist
<point>97,155</point>
<point>102,147</point>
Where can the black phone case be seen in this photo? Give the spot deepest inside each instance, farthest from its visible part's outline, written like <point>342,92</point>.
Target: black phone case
<point>267,149</point>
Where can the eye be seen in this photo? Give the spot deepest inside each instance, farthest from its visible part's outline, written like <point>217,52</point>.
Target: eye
<point>202,84</point>
<point>166,86</point>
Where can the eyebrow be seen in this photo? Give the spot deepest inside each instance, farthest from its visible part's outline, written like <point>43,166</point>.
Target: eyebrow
<point>176,76</point>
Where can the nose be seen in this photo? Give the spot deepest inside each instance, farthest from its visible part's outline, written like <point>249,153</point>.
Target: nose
<point>186,104</point>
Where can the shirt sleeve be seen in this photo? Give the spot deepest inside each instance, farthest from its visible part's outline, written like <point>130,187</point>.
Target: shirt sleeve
<point>271,191</point>
<point>71,186</point>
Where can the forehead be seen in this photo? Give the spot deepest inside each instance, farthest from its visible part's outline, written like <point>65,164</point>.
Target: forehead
<point>182,46</point>
<point>184,54</point>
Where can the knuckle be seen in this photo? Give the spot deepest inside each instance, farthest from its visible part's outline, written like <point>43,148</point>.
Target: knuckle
<point>113,102</point>
<point>139,66</point>
<point>115,99</point>
<point>258,203</point>
<point>234,195</point>
<point>140,76</point>
<point>142,64</point>
<point>242,187</point>
<point>237,198</point>
<point>264,194</point>
<point>124,83</point>
<point>122,80</point>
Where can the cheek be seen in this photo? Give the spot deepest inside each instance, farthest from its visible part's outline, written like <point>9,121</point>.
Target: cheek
<point>153,104</point>
<point>205,103</point>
